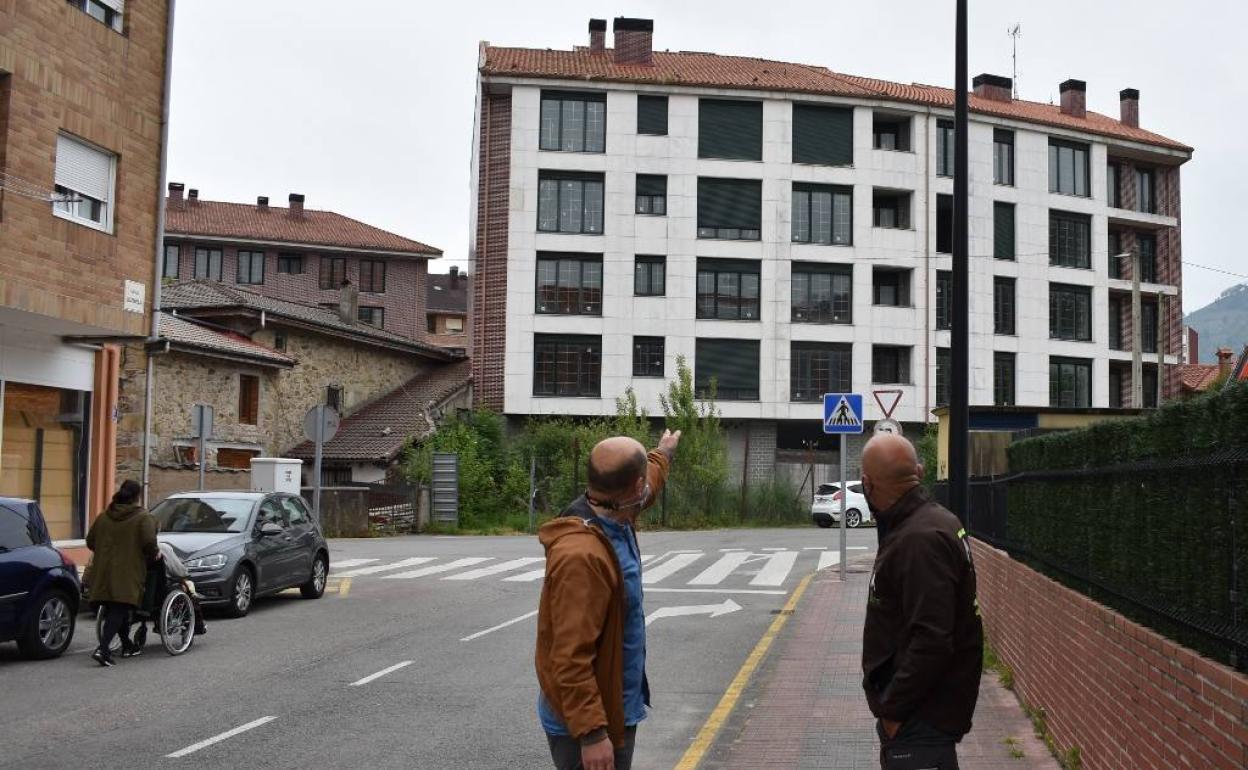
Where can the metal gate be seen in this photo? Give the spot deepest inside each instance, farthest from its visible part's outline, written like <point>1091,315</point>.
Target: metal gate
<point>444,495</point>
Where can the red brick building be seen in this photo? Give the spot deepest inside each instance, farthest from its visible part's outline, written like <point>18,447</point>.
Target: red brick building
<point>299,255</point>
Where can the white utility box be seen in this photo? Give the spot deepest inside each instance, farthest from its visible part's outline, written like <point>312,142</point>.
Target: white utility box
<point>276,474</point>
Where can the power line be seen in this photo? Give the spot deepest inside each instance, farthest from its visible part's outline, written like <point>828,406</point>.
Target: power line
<point>1216,269</point>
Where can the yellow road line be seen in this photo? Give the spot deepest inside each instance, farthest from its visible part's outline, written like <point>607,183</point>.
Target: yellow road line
<point>344,587</point>
<point>702,743</point>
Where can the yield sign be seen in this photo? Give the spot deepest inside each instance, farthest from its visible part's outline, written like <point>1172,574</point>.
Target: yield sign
<point>887,410</point>
<point>714,610</point>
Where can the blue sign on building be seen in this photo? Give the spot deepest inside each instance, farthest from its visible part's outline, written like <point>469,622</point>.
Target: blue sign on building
<point>842,413</point>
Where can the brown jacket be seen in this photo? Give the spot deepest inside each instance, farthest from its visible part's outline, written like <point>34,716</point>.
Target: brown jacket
<point>580,620</point>
<point>123,541</point>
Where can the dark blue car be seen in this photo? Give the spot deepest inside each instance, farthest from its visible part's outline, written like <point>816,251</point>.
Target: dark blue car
<point>39,588</point>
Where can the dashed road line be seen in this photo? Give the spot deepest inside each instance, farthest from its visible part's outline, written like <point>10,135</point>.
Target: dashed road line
<point>225,736</point>
<point>380,674</point>
<point>500,626</point>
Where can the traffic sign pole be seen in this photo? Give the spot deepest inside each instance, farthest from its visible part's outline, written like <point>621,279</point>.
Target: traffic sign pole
<point>844,499</point>
<point>316,463</point>
<point>842,415</point>
<point>203,445</point>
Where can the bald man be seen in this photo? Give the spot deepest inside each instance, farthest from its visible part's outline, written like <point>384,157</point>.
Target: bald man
<point>591,628</point>
<point>922,643</point>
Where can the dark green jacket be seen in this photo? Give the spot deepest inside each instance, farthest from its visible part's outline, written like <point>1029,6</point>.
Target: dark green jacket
<point>123,541</point>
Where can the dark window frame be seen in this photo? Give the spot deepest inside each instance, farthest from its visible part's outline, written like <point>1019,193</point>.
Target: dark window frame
<point>644,274</point>
<point>373,315</point>
<point>651,202</point>
<point>213,259</point>
<point>1003,157</point>
<point>1004,305</point>
<point>561,143</point>
<point>806,305</point>
<point>559,178</point>
<point>944,300</point>
<point>175,251</point>
<point>335,276</point>
<point>1113,184</point>
<point>887,124</point>
<point>651,128</point>
<point>1080,185</point>
<point>369,269</point>
<point>1145,190</point>
<point>709,229</point>
<point>902,366</point>
<point>1070,312</point>
<point>944,224</point>
<point>558,350</point>
<point>287,261</point>
<point>249,276</point>
<point>729,274</point>
<point>901,203</point>
<point>1076,368</point>
<point>816,368</point>
<point>823,135</point>
<point>1148,256</point>
<point>733,390</point>
<point>713,127</point>
<point>1004,378</point>
<point>248,399</point>
<point>578,299</point>
<point>804,202</point>
<point>1004,230</point>
<point>946,144</point>
<point>944,365</point>
<point>1068,247</point>
<point>903,287</point>
<point>649,354</point>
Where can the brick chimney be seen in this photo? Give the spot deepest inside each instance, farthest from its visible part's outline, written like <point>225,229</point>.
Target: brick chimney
<point>1074,98</point>
<point>1193,345</point>
<point>633,40</point>
<point>296,206</point>
<point>349,303</point>
<point>192,197</point>
<point>597,36</point>
<point>176,200</point>
<point>262,203</point>
<point>1224,362</point>
<point>454,276</point>
<point>993,87</point>
<point>1129,99</point>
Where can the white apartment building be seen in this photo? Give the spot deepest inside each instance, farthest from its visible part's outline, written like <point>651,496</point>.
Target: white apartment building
<point>787,231</point>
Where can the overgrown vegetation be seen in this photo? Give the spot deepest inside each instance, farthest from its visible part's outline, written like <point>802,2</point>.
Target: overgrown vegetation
<point>1071,758</point>
<point>494,465</point>
<point>928,449</point>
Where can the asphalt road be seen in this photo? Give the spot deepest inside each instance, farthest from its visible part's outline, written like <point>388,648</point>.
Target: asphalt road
<point>405,662</point>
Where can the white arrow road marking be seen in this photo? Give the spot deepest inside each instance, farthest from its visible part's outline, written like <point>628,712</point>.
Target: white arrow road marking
<point>714,610</point>
<point>829,559</point>
<point>762,591</point>
<point>400,564</point>
<point>194,747</point>
<point>344,563</point>
<point>669,567</point>
<point>438,568</point>
<point>495,569</point>
<point>715,574</point>
<point>380,673</point>
<point>492,629</point>
<point>778,567</point>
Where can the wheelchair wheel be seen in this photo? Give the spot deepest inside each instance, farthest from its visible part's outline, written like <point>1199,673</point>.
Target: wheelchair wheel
<point>138,632</point>
<point>176,622</point>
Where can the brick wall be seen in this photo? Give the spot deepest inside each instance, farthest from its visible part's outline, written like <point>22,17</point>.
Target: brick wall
<point>488,300</point>
<point>1123,694</point>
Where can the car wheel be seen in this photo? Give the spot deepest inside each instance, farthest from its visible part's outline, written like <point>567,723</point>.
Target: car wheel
<point>823,520</point>
<point>242,593</point>
<point>315,587</point>
<point>51,626</point>
<point>853,518</point>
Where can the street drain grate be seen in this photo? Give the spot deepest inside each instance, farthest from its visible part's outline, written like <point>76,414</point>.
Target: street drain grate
<point>782,612</point>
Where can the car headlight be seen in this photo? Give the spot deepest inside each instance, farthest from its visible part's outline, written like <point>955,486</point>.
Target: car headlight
<point>207,563</point>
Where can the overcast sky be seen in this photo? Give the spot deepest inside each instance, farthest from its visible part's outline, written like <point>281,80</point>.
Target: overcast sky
<point>366,107</point>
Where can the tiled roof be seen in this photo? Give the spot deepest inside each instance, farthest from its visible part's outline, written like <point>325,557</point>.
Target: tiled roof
<point>380,430</point>
<point>441,298</point>
<point>186,334</point>
<point>713,70</point>
<point>1198,377</point>
<point>191,296</point>
<point>315,228</point>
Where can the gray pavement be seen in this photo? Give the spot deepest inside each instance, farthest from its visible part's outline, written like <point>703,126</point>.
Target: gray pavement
<point>456,704</point>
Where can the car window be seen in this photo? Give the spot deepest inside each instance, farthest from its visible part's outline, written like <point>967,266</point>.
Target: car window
<point>209,514</point>
<point>271,513</point>
<point>855,488</point>
<point>17,530</point>
<point>295,511</point>
<point>827,489</point>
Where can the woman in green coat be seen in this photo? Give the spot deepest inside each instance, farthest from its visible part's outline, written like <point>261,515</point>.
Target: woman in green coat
<point>123,542</point>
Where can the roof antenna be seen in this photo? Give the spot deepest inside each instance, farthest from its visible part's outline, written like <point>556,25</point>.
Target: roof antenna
<point>1015,33</point>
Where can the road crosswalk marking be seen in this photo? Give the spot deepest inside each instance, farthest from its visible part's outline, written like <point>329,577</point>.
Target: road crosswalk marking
<point>345,563</point>
<point>439,568</point>
<point>387,567</point>
<point>670,567</point>
<point>715,574</point>
<point>828,559</point>
<point>495,569</point>
<point>776,569</point>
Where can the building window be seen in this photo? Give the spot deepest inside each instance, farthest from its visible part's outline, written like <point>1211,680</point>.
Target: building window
<point>730,209</point>
<point>1070,382</point>
<point>890,132</point>
<point>944,224</point>
<point>890,286</point>
<point>726,368</point>
<point>728,289</point>
<point>944,298</point>
<point>647,356</point>
<point>652,115</point>
<point>84,186</point>
<point>335,397</point>
<point>1003,230</point>
<point>890,364</point>
<point>372,315</point>
<point>1003,379</point>
<point>279,341</point>
<point>290,263</point>
<point>1118,305</point>
<point>730,129</point>
<point>945,143</point>
<point>567,365</point>
<point>823,135</point>
<point>1068,168</point>
<point>238,459</point>
<point>1114,248</point>
<point>1070,239</point>
<point>650,276</point>
<point>1147,244</point>
<point>1148,326</point>
<point>1003,305</point>
<point>1113,190</point>
<point>573,122</point>
<point>333,272</point>
<point>1148,384</point>
<point>816,368</point>
<point>1145,191</point>
<point>569,203</point>
<point>1070,312</point>
<point>891,208</point>
<point>651,194</point>
<point>569,284</point>
<point>822,294</point>
<point>431,324</point>
<point>207,264</point>
<point>172,265</point>
<point>248,399</point>
<point>250,267</point>
<point>823,214</point>
<point>373,276</point>
<point>1002,156</point>
<point>944,362</point>
<point>454,325</point>
<point>1115,386</point>
<point>107,12</point>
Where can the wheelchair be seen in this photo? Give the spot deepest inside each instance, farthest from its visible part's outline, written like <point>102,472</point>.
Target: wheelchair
<point>167,605</point>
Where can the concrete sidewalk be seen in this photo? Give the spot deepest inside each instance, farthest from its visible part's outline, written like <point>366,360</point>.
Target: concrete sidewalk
<point>804,707</point>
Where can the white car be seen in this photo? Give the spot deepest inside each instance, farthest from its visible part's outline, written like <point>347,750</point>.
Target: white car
<point>826,510</point>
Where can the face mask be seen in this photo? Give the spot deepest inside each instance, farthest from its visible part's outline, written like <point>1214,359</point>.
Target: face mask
<point>626,504</point>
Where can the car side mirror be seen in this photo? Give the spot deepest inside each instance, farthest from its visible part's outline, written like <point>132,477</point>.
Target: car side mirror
<point>269,529</point>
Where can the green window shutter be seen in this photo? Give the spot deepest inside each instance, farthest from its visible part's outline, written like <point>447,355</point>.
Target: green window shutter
<point>823,135</point>
<point>729,129</point>
<point>733,364</point>
<point>652,115</point>
<point>651,184</point>
<point>730,203</point>
<point>1003,230</point>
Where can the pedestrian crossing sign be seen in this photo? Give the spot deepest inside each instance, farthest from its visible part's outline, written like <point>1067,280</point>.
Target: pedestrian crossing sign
<point>842,413</point>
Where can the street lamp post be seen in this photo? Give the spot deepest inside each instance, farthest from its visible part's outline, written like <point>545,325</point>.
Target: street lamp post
<point>1137,358</point>
<point>959,340</point>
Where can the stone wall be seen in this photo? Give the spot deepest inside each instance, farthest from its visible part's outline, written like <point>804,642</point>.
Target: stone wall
<point>168,481</point>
